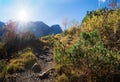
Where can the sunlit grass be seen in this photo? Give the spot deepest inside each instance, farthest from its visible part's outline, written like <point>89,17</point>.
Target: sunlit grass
<point>25,59</point>
<point>15,65</point>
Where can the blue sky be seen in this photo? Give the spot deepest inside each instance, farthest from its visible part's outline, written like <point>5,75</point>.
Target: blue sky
<point>49,11</point>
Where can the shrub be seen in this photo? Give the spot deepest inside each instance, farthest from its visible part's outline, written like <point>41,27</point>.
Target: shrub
<point>25,60</point>
<point>15,65</point>
<point>28,57</point>
<point>72,31</point>
<point>60,53</point>
<point>2,65</point>
<point>88,53</point>
<point>62,78</point>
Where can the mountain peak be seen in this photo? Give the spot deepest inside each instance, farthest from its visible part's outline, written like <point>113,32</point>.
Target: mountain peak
<point>2,24</point>
<point>56,29</point>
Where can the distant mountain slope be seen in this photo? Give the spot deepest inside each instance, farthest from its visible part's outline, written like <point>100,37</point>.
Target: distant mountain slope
<point>38,28</point>
<point>1,24</point>
<point>1,29</point>
<point>55,29</point>
<point>41,29</point>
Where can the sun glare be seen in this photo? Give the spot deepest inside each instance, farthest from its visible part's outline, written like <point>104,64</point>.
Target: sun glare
<point>22,16</point>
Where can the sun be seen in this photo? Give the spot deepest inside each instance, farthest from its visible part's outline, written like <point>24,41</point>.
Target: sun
<point>23,16</point>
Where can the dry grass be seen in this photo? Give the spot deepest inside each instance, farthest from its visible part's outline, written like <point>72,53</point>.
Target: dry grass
<point>15,65</point>
<point>62,78</point>
<point>26,59</point>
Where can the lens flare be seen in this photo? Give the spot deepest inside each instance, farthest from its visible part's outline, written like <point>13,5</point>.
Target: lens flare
<point>23,16</point>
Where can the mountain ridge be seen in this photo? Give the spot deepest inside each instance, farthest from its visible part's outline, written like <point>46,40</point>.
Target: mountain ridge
<point>38,28</point>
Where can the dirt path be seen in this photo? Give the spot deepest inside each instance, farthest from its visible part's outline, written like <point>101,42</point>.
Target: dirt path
<point>45,60</point>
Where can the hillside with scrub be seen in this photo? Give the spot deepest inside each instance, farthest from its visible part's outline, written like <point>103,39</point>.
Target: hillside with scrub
<point>89,52</point>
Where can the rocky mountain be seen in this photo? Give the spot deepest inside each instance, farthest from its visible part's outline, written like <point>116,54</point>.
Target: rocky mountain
<point>1,24</point>
<point>55,29</point>
<point>38,28</point>
<point>1,29</point>
<point>41,29</point>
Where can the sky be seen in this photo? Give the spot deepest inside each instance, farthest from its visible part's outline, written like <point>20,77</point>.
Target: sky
<point>49,11</point>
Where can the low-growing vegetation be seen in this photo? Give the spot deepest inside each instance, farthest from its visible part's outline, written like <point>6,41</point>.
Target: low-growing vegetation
<point>92,55</point>
<point>25,60</point>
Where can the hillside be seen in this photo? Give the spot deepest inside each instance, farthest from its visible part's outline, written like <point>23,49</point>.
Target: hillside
<point>90,52</point>
<point>86,53</point>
